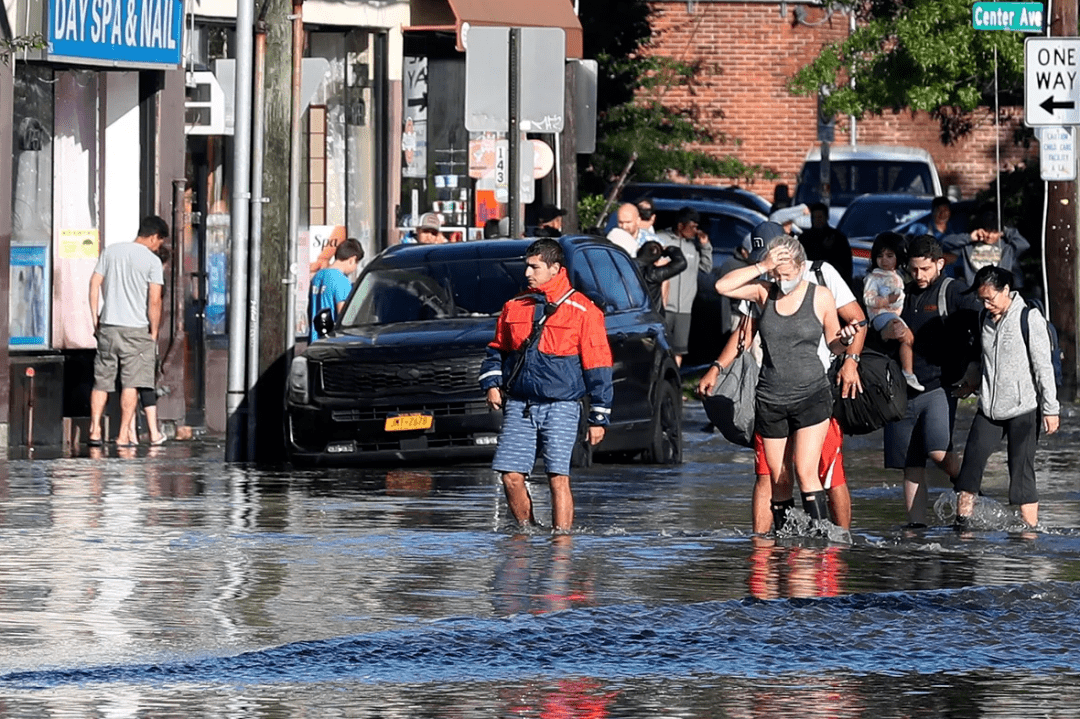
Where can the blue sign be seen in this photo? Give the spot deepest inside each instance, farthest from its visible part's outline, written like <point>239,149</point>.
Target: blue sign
<point>137,32</point>
<point>28,321</point>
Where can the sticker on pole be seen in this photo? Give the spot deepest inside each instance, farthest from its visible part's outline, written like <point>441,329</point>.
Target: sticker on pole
<point>1057,154</point>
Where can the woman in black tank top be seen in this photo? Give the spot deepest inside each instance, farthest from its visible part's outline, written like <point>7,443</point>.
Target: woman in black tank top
<point>793,397</point>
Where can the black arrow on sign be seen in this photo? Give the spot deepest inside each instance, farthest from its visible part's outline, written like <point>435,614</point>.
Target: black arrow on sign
<point>1050,106</point>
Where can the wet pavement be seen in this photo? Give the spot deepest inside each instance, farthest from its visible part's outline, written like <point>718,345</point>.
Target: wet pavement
<point>166,583</point>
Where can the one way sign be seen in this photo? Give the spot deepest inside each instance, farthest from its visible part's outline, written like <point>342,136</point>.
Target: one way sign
<point>1051,74</point>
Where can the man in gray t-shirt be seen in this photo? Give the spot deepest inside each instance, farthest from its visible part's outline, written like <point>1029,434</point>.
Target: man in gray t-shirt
<point>128,280</point>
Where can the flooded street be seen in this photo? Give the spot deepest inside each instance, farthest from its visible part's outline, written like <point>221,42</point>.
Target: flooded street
<point>167,583</point>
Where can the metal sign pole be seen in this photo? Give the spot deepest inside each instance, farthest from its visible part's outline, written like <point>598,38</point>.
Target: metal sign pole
<point>513,136</point>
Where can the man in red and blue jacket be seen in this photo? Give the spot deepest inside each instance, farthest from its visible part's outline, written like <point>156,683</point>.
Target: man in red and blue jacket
<point>550,350</point>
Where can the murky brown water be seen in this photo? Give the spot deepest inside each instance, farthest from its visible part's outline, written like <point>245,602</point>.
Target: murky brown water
<point>166,583</point>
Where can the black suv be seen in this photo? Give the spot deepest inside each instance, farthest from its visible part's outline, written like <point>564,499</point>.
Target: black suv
<point>397,379</point>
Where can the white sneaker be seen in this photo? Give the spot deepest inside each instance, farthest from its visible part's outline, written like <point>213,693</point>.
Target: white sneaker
<point>913,382</point>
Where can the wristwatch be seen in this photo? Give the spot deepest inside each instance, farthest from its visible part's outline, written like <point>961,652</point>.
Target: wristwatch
<point>853,358</point>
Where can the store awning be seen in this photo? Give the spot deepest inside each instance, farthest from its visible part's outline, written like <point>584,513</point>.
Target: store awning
<point>437,14</point>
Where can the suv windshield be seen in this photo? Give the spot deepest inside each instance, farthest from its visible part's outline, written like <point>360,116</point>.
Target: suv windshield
<point>868,218</point>
<point>851,178</point>
<point>388,295</point>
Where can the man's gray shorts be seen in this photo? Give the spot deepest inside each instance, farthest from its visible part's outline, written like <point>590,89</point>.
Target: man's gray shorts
<point>677,326</point>
<point>129,351</point>
<point>926,427</point>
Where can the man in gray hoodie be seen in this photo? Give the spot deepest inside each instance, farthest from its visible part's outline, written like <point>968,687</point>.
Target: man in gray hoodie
<point>682,288</point>
<point>1016,389</point>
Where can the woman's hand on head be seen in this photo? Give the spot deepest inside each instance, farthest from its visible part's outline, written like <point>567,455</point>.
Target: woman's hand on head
<point>774,258</point>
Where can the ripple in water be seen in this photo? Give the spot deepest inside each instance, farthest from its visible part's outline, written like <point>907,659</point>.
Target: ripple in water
<point>943,631</point>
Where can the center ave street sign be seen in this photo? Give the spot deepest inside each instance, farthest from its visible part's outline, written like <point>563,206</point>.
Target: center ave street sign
<point>1051,94</point>
<point>1022,16</point>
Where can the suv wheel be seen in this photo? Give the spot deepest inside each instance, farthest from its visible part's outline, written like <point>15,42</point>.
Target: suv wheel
<point>665,446</point>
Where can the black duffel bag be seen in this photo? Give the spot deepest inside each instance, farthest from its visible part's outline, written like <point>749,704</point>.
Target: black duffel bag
<point>883,399</point>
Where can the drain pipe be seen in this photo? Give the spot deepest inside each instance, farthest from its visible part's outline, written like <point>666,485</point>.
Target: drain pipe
<point>294,180</point>
<point>177,307</point>
<point>258,151</point>
<point>241,196</point>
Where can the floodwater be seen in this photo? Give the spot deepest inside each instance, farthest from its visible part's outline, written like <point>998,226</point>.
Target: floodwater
<point>165,583</point>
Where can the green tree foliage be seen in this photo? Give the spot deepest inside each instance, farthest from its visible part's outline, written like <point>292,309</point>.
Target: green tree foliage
<point>917,54</point>
<point>632,114</point>
<point>11,46</point>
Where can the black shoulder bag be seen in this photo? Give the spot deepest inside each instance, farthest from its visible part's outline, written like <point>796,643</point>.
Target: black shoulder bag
<point>534,337</point>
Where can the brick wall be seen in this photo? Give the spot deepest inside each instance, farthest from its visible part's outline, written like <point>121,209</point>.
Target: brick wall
<point>748,51</point>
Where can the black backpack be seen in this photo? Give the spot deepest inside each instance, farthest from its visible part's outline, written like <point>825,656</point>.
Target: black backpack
<point>1056,355</point>
<point>883,399</point>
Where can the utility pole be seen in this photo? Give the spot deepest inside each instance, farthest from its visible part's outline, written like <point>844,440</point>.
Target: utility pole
<point>274,267</point>
<point>1061,246</point>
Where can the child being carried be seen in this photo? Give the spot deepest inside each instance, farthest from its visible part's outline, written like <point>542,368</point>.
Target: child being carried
<point>883,295</point>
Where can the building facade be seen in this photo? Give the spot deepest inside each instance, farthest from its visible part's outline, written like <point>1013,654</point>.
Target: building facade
<point>119,116</point>
<point>351,87</point>
<point>96,136</point>
<point>748,49</point>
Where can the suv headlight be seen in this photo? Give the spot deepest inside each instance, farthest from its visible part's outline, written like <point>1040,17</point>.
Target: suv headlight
<point>298,380</point>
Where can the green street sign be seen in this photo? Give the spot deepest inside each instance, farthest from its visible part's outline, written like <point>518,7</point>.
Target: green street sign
<point>1022,16</point>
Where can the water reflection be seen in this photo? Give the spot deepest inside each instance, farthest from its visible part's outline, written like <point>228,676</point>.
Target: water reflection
<point>539,574</point>
<point>795,571</point>
<point>165,582</point>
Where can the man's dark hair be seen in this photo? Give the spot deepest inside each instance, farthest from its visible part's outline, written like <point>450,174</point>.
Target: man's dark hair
<point>939,201</point>
<point>994,277</point>
<point>645,208</point>
<point>650,252</point>
<point>348,249</point>
<point>819,207</point>
<point>686,216</point>
<point>153,225</point>
<point>925,246</point>
<point>888,241</point>
<point>548,250</point>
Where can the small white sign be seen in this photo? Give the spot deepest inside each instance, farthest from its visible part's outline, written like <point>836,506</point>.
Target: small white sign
<point>1051,71</point>
<point>1057,154</point>
<point>526,161</point>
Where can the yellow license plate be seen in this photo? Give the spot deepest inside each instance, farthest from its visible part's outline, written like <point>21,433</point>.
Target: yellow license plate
<point>407,422</point>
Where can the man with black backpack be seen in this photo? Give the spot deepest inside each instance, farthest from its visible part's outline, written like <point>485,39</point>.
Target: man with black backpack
<point>550,350</point>
<point>942,322</point>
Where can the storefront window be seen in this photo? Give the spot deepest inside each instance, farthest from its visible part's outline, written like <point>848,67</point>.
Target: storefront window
<point>77,159</point>
<point>445,169</point>
<point>32,206</point>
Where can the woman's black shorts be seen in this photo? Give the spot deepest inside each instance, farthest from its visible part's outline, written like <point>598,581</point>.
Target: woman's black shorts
<point>775,420</point>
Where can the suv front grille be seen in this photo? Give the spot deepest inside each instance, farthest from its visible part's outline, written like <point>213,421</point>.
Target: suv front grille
<point>449,375</point>
<point>380,412</point>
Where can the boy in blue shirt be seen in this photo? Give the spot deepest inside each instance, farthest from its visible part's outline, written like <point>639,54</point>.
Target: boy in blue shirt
<point>330,287</point>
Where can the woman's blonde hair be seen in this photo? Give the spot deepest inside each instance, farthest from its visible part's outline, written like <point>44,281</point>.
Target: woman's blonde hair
<point>798,252</point>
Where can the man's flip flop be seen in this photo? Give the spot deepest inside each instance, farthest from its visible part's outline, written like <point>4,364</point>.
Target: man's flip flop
<point>94,443</point>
